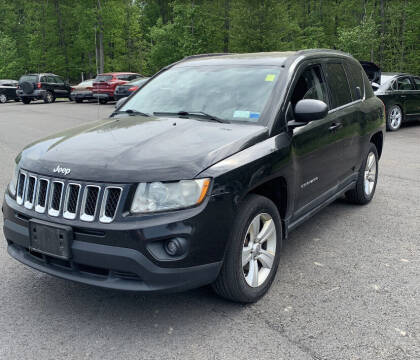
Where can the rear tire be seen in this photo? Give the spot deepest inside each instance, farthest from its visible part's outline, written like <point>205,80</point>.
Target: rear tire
<point>79,101</point>
<point>26,100</point>
<point>49,97</point>
<point>3,98</point>
<point>253,252</point>
<point>394,118</point>
<point>103,101</point>
<point>366,182</point>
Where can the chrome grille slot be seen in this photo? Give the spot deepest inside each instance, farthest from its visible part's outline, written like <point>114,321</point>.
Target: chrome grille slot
<point>71,201</point>
<point>110,203</point>
<point>30,192</point>
<point>68,199</point>
<point>42,195</point>
<point>21,188</point>
<point>56,196</point>
<point>89,203</point>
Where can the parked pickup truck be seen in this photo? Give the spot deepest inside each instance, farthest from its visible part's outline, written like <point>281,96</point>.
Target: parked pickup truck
<point>199,177</point>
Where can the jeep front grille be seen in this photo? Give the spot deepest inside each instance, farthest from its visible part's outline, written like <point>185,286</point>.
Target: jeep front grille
<point>69,199</point>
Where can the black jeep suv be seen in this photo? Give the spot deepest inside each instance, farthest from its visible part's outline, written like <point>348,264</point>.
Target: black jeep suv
<point>199,177</point>
<point>45,87</point>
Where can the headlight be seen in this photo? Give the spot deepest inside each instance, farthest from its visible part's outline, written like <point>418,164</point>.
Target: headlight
<point>13,182</point>
<point>158,196</point>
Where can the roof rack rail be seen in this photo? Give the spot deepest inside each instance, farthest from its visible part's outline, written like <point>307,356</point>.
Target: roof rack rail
<point>204,55</point>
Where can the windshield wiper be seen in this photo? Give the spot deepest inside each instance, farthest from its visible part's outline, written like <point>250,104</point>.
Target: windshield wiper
<point>191,113</point>
<point>130,112</point>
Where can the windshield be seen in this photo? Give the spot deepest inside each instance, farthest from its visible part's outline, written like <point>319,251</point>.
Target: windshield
<point>236,93</point>
<point>29,78</point>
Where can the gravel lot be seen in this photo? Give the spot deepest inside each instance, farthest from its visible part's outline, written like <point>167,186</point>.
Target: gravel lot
<point>348,285</point>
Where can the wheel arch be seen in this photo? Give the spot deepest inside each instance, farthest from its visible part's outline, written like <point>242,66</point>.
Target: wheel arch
<point>377,139</point>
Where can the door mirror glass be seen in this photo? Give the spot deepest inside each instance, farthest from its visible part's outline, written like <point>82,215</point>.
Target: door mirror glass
<point>307,110</point>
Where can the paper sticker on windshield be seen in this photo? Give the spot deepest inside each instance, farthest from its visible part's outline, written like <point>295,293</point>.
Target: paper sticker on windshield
<point>246,114</point>
<point>270,77</point>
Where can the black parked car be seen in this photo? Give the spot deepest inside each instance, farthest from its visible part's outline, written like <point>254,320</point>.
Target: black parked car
<point>401,96</point>
<point>122,91</point>
<point>45,87</point>
<point>8,90</point>
<point>200,176</point>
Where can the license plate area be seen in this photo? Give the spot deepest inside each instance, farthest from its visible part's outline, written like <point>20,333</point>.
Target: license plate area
<point>50,239</point>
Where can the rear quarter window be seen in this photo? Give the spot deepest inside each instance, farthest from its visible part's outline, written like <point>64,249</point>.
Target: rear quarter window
<point>29,78</point>
<point>338,84</point>
<point>103,78</point>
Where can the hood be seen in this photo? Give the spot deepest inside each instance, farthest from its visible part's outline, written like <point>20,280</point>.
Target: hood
<point>139,149</point>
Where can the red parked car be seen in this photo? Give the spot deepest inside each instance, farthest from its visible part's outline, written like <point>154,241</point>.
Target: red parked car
<point>105,84</point>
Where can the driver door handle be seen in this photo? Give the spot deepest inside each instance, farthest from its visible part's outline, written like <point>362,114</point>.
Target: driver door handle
<point>335,126</point>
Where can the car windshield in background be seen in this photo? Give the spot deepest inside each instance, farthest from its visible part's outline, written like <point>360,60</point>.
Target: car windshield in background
<point>237,93</point>
<point>103,78</point>
<point>29,78</point>
<point>386,78</point>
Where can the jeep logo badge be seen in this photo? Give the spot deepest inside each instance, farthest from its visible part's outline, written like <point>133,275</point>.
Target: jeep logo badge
<point>61,170</point>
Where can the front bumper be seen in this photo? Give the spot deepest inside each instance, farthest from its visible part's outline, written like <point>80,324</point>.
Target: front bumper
<point>116,256</point>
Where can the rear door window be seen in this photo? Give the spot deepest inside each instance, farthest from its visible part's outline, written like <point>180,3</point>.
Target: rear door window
<point>51,79</point>
<point>338,85</point>
<point>404,83</point>
<point>417,82</point>
<point>59,80</point>
<point>125,77</point>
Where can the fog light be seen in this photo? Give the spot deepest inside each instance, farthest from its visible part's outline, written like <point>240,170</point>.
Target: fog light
<point>175,247</point>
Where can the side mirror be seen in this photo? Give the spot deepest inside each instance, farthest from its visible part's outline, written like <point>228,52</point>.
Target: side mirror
<point>307,110</point>
<point>120,102</point>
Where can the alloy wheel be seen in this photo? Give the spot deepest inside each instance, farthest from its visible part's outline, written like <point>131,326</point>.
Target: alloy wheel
<point>259,249</point>
<point>3,98</point>
<point>370,174</point>
<point>395,117</point>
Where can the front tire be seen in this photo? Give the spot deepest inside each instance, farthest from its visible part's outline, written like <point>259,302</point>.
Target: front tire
<point>253,252</point>
<point>3,98</point>
<point>26,100</point>
<point>394,118</point>
<point>103,101</point>
<point>367,179</point>
<point>79,101</point>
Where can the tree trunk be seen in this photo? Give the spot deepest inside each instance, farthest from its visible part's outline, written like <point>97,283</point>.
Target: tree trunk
<point>63,44</point>
<point>381,48</point>
<point>403,20</point>
<point>99,40</point>
<point>227,27</point>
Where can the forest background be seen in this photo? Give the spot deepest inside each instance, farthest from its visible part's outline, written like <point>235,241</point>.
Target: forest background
<point>80,38</point>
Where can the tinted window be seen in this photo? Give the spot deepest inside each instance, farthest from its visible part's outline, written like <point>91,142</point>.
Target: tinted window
<point>337,82</point>
<point>310,85</point>
<point>355,73</point>
<point>404,83</point>
<point>44,79</point>
<point>103,78</point>
<point>417,82</point>
<point>127,77</point>
<point>59,80</point>
<point>50,79</point>
<point>29,78</point>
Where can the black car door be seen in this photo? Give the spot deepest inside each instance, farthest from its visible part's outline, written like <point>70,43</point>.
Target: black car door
<point>416,97</point>
<point>60,87</point>
<point>406,95</point>
<point>316,151</point>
